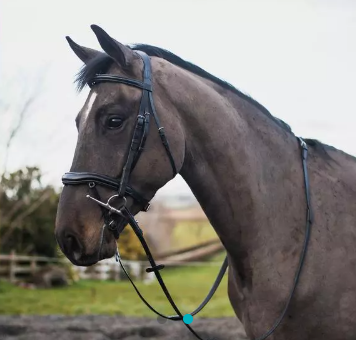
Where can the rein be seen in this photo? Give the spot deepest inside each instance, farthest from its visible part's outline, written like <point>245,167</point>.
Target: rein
<point>122,187</point>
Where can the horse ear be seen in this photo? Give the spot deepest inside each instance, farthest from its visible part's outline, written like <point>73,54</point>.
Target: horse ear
<point>119,52</point>
<point>83,53</point>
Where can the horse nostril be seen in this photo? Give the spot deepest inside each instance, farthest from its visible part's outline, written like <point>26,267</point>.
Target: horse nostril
<point>73,245</point>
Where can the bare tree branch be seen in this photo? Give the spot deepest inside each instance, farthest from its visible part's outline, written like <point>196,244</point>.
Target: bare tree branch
<point>25,109</point>
<point>27,100</point>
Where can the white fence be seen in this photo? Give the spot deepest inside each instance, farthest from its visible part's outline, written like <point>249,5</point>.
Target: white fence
<point>109,269</point>
<point>15,267</point>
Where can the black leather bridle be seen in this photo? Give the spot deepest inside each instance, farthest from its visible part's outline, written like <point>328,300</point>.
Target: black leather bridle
<point>123,189</point>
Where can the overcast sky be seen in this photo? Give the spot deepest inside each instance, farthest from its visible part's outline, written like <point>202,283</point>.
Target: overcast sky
<point>297,58</point>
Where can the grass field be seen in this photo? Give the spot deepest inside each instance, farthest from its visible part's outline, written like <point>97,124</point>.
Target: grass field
<point>188,286</point>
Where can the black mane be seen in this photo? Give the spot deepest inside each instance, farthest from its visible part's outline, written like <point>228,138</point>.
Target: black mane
<point>174,59</point>
<point>102,63</point>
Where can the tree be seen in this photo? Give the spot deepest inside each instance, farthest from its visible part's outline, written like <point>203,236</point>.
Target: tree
<point>28,212</point>
<point>129,245</point>
<point>16,203</point>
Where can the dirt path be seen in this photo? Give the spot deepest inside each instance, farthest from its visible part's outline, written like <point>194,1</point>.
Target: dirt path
<point>114,328</point>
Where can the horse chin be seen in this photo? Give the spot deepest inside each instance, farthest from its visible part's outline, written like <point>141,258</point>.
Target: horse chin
<point>108,247</point>
<point>107,251</point>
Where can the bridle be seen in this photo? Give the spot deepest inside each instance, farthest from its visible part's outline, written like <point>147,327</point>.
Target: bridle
<point>122,187</point>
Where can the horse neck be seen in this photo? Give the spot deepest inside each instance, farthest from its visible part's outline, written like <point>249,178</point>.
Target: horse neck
<point>244,169</point>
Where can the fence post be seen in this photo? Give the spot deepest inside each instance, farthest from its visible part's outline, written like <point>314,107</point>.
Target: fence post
<point>12,265</point>
<point>33,266</point>
<point>140,270</point>
<point>115,270</point>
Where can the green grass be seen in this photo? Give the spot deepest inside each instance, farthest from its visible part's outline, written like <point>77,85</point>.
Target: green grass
<point>188,286</point>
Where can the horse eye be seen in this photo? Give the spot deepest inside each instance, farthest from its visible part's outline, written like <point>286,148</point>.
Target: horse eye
<point>114,122</point>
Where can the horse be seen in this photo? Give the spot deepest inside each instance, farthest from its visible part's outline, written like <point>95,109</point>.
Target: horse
<point>255,180</point>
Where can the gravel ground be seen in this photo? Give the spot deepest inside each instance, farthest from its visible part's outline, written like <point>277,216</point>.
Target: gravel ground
<point>94,327</point>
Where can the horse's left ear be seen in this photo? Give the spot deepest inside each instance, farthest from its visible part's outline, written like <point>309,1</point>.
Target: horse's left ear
<point>85,54</point>
<point>119,52</point>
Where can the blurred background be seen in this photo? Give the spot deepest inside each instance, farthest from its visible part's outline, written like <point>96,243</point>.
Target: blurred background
<point>295,57</point>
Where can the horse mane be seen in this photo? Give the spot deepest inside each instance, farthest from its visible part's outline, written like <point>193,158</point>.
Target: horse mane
<point>176,60</point>
<point>102,62</point>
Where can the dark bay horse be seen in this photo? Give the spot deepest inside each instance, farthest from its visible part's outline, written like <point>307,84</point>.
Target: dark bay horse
<point>244,167</point>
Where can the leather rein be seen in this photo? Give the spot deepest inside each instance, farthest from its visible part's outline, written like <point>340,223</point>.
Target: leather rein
<point>122,187</point>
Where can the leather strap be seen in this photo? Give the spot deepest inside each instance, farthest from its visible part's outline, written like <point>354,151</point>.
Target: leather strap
<point>156,268</point>
<point>147,75</point>
<point>304,148</point>
<point>135,144</point>
<point>211,293</point>
<point>108,78</point>
<point>78,178</point>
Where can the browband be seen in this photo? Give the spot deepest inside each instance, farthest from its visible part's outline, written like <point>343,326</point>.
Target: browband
<point>108,78</point>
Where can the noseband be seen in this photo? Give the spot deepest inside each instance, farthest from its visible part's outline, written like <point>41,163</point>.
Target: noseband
<point>123,189</point>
